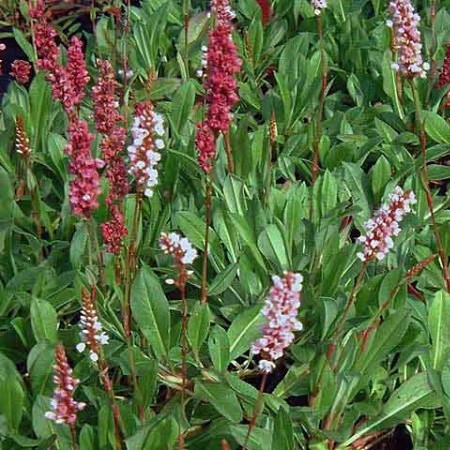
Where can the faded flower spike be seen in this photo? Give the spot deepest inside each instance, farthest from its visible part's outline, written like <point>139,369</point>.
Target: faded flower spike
<point>92,334</point>
<point>147,132</point>
<point>64,407</point>
<point>179,247</point>
<point>22,141</point>
<point>280,311</point>
<point>407,40</point>
<point>384,224</point>
<point>319,6</point>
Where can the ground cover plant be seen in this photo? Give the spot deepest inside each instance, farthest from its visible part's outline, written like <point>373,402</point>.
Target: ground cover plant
<point>224,225</point>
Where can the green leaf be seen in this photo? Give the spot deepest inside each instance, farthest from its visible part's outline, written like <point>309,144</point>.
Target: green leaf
<point>381,175</point>
<point>150,309</point>
<point>198,326</point>
<point>244,330</point>
<point>438,172</point>
<point>11,402</point>
<point>182,104</point>
<point>272,245</point>
<point>244,231</point>
<point>40,367</point>
<point>439,326</point>
<point>78,245</point>
<point>221,397</point>
<point>413,394</point>
<point>27,48</point>
<point>437,127</point>
<point>387,337</point>
<point>283,433</point>
<point>219,348</point>
<point>160,434</point>
<point>44,321</point>
<point>223,280</point>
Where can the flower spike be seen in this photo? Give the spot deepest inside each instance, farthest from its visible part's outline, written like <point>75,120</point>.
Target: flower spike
<point>280,311</point>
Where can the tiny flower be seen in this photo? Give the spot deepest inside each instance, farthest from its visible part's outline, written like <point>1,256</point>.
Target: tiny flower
<point>64,408</point>
<point>318,6</point>
<point>384,224</point>
<point>92,334</point>
<point>280,312</point>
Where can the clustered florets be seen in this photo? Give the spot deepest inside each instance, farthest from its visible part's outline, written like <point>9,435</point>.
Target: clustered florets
<point>85,184</point>
<point>147,132</point>
<point>407,40</point>
<point>220,64</point>
<point>179,247</point>
<point>280,311</point>
<point>318,6</point>
<point>64,407</point>
<point>182,252</point>
<point>22,141</point>
<point>21,70</point>
<point>92,334</point>
<point>68,83</point>
<point>384,224</point>
<point>444,77</point>
<point>107,120</point>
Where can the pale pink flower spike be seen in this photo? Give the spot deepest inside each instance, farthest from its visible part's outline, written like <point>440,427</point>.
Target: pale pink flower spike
<point>407,40</point>
<point>384,225</point>
<point>280,311</point>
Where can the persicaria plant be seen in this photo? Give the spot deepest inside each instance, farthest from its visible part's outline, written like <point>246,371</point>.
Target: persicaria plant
<point>224,225</point>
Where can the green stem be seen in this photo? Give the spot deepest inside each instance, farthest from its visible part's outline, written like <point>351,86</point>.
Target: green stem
<point>130,266</point>
<point>184,351</point>
<point>318,134</point>
<point>425,182</point>
<point>204,287</point>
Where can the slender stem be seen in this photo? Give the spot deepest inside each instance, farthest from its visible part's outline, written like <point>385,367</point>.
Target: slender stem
<point>433,64</point>
<point>204,288</point>
<point>184,350</point>
<point>259,401</point>
<point>230,162</point>
<point>186,34</point>
<point>350,302</point>
<point>73,436</point>
<point>107,386</point>
<point>130,267</point>
<point>425,182</point>
<point>323,60</point>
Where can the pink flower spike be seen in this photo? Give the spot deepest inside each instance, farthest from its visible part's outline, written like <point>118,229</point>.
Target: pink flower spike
<point>384,225</point>
<point>405,22</point>
<point>64,408</point>
<point>280,311</point>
